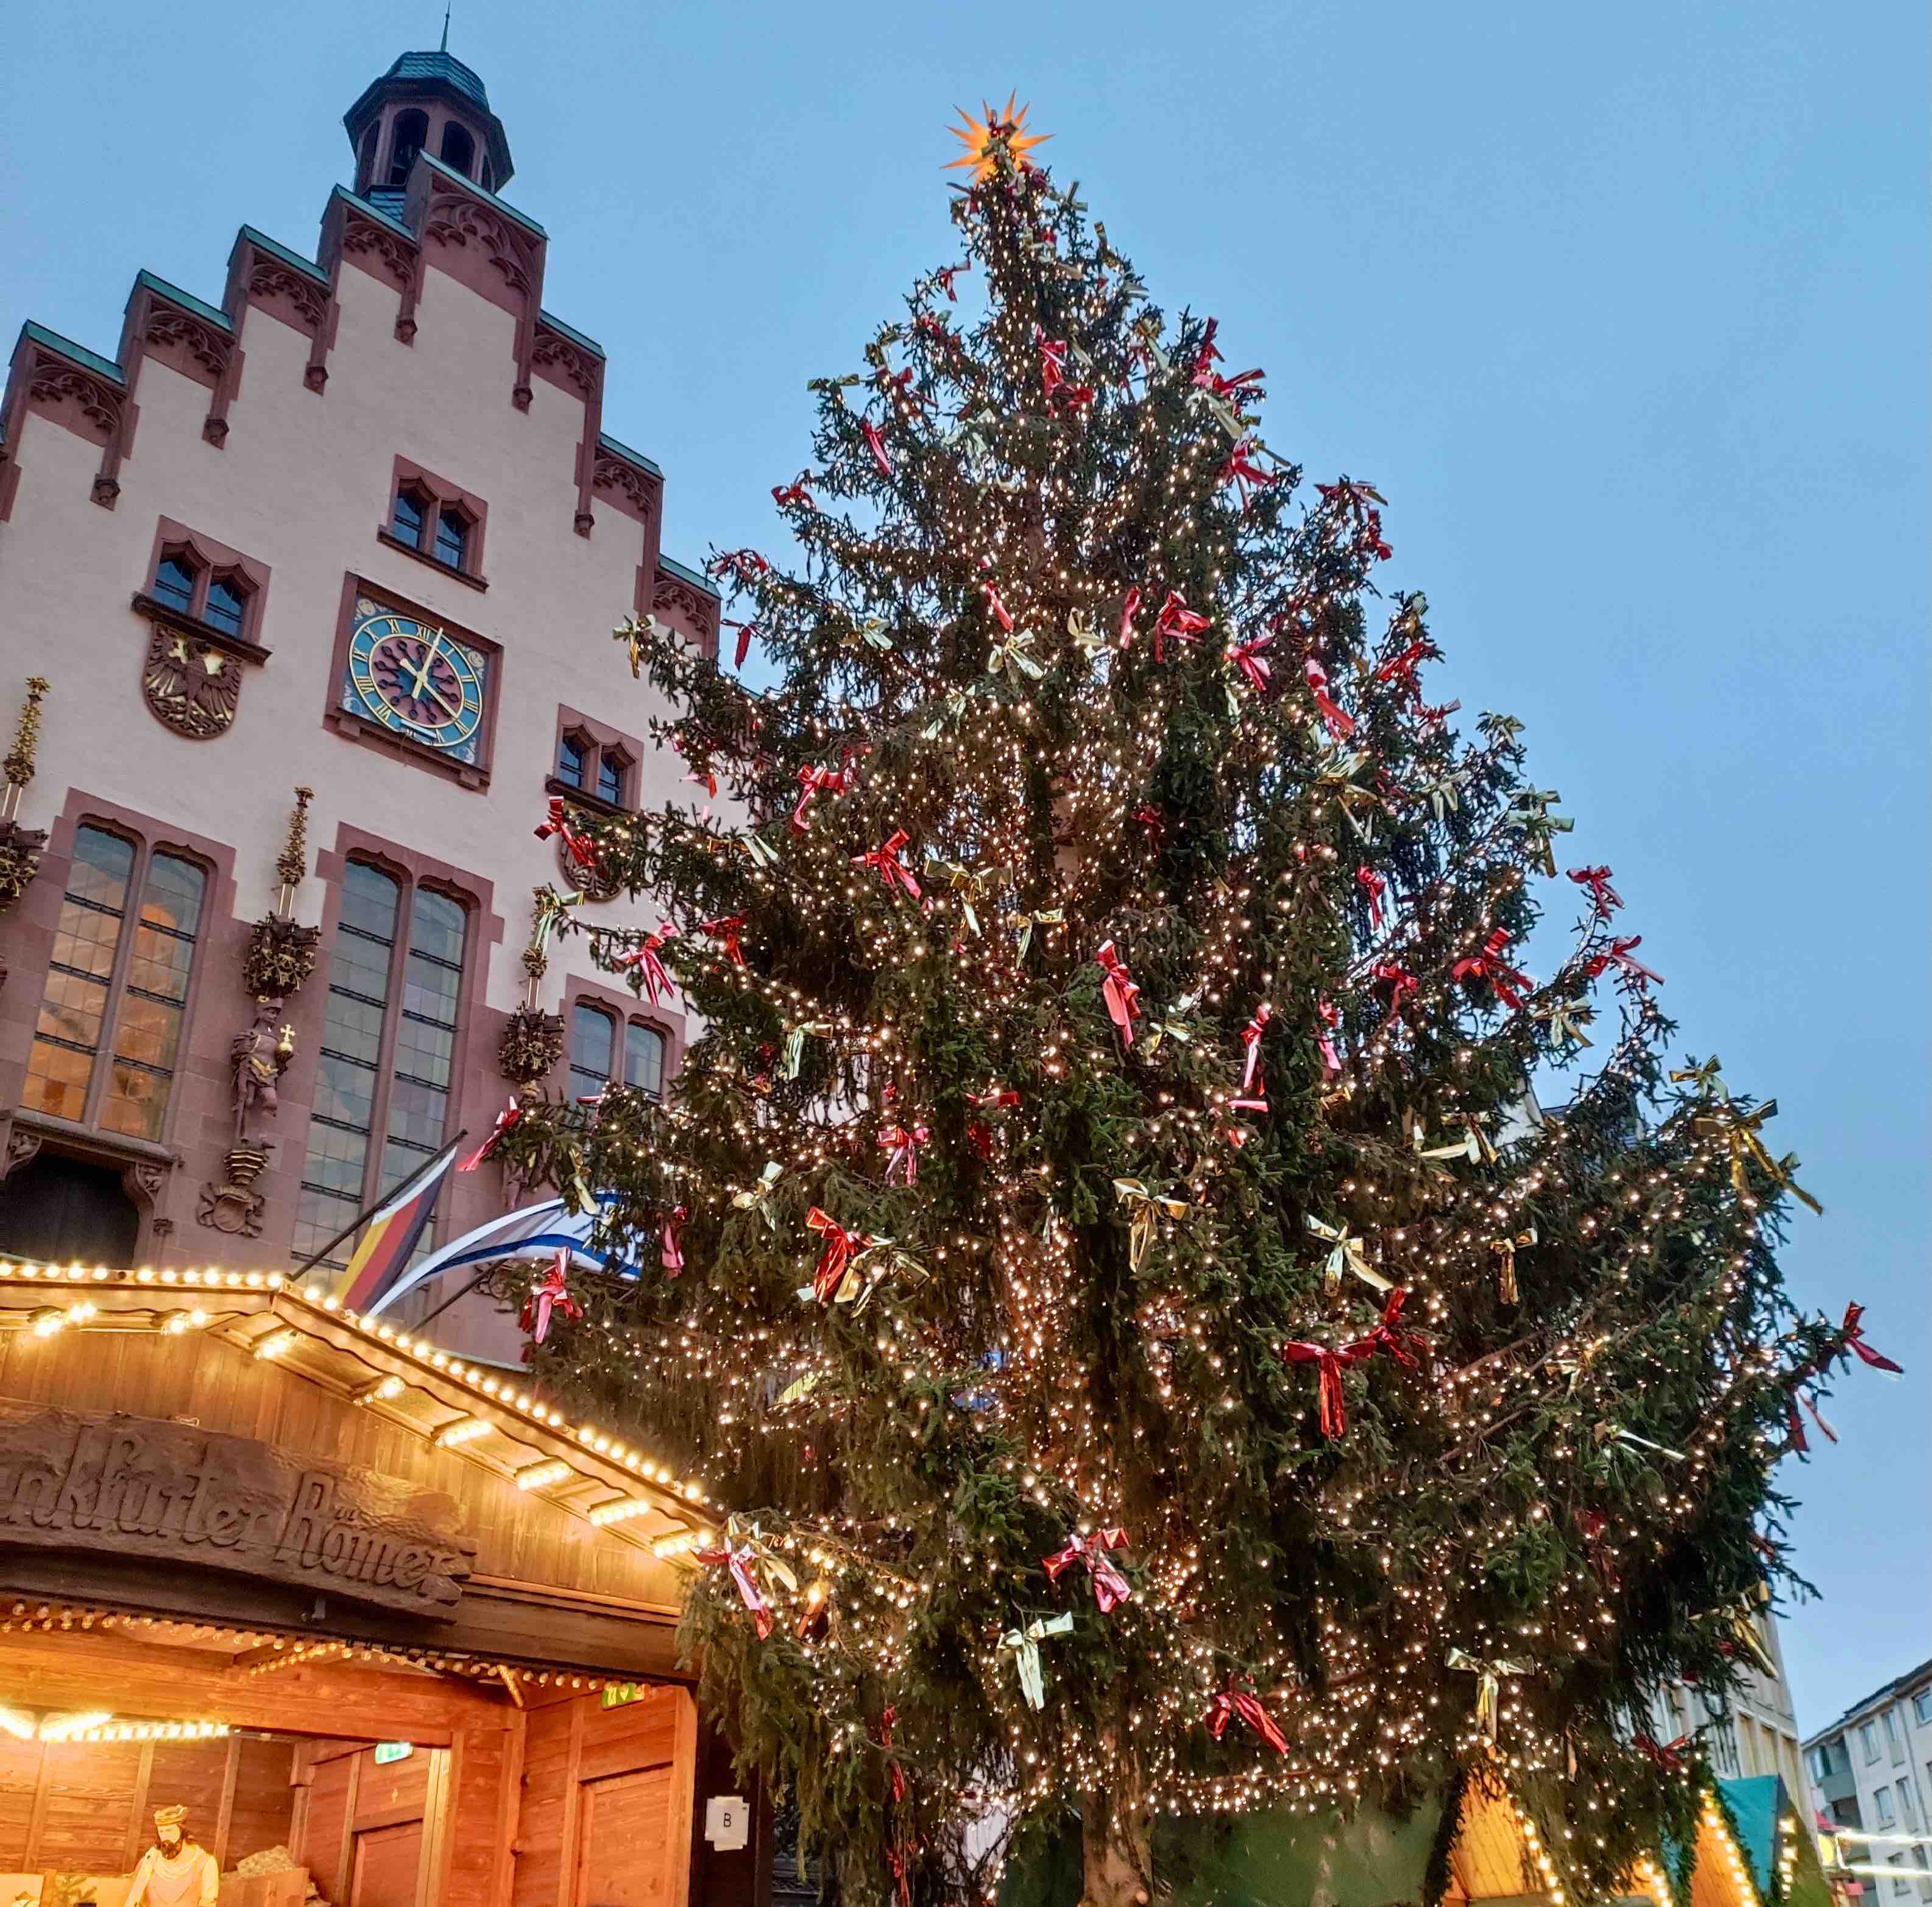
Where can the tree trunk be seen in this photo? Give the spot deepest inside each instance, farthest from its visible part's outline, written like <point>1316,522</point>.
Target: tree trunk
<point>1116,1853</point>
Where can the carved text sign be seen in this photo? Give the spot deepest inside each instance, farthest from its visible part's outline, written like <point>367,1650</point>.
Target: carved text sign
<point>136,1488</point>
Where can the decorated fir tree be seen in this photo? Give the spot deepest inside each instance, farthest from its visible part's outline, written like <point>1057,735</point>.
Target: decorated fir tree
<point>1146,1350</point>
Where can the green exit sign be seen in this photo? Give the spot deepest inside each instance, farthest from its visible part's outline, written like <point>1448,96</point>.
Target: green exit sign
<point>617,1694</point>
<point>394,1751</point>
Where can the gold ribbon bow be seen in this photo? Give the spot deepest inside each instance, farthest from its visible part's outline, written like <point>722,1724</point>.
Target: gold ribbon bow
<point>757,1199</point>
<point>761,852</point>
<point>1015,655</point>
<point>1568,1018</point>
<point>1338,778</point>
<point>1505,1249</point>
<point>1532,813</point>
<point>1475,1145</point>
<point>1024,924</point>
<point>794,1045</point>
<point>1025,1644</point>
<point>1740,1131</point>
<point>1348,1254</point>
<point>1144,1209</point>
<point>1489,1685</point>
<point>969,884</point>
<point>1176,1025</point>
<point>953,709</point>
<point>1086,639</point>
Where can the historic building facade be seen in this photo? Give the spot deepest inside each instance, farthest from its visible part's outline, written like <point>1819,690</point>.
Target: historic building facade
<point>353,527</point>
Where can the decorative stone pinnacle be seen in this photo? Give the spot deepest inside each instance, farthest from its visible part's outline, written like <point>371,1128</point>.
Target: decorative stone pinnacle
<point>292,865</point>
<point>19,764</point>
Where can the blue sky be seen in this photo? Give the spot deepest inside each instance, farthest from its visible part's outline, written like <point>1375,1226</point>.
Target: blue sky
<point>1624,309</point>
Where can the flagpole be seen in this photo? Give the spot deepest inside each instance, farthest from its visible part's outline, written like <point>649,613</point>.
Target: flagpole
<point>356,1224</point>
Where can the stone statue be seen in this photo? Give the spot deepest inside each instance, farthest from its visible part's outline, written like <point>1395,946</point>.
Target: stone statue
<point>260,1058</point>
<point>176,1871</point>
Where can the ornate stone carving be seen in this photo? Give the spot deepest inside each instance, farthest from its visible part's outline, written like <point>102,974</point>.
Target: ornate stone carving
<point>532,1043</point>
<point>258,1058</point>
<point>672,593</point>
<point>310,300</point>
<point>394,253</point>
<point>144,1182</point>
<point>208,347</point>
<point>280,956</point>
<point>234,1206</point>
<point>572,363</point>
<point>53,381</point>
<point>453,220</point>
<point>20,852</point>
<point>23,1142</point>
<point>189,684</point>
<point>614,473</point>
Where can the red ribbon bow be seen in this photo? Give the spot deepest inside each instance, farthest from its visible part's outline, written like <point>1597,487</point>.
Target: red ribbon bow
<point>582,850</point>
<point>1111,1588</point>
<point>1604,899</point>
<point>1330,1018</point>
<point>998,610</point>
<point>1052,361</point>
<point>1330,1364</point>
<point>886,859</point>
<point>741,565</point>
<point>1177,620</point>
<point>1341,724</point>
<point>1243,385</point>
<point>1668,1756</point>
<point>818,781</point>
<point>1400,670</point>
<point>888,1719</point>
<point>552,1294</point>
<point>1251,1038</point>
<point>903,1142</point>
<point>783,494</point>
<point>1231,1701</point>
<point>644,961</point>
<point>1490,965</point>
<point>876,445</point>
<point>1371,884</point>
<point>1855,1341</point>
<point>1241,469</point>
<point>998,1100</point>
<point>1620,957</point>
<point>671,1250</point>
<point>727,928</point>
<point>1130,609</point>
<point>1209,354</point>
<point>738,1560</point>
<point>1402,985</point>
<point>1251,658</point>
<point>840,1245</point>
<point>746,631</point>
<point>947,273</point>
<point>1387,1333</point>
<point>505,1119</point>
<point>1118,990</point>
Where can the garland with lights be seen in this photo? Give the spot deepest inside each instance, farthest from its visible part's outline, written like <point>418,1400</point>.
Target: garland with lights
<point>1101,1248</point>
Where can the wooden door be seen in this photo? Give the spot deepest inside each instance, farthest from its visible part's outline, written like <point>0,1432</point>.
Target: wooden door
<point>388,1860</point>
<point>624,1843</point>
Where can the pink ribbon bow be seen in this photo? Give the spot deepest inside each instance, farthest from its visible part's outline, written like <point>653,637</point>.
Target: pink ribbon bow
<point>1341,724</point>
<point>505,1119</point>
<point>885,858</point>
<point>1111,1588</point>
<point>876,445</point>
<point>1402,984</point>
<point>1251,658</point>
<point>1130,609</point>
<point>819,781</point>
<point>1329,1019</point>
<point>1231,1701</point>
<point>1241,469</point>
<point>741,565</point>
<point>1490,965</point>
<point>1118,990</point>
<point>737,1558</point>
<point>644,962</point>
<point>1604,899</point>
<point>552,1294</point>
<point>903,1143</point>
<point>582,850</point>
<point>1373,885</point>
<point>1251,1039</point>
<point>1177,620</point>
<point>671,1247</point>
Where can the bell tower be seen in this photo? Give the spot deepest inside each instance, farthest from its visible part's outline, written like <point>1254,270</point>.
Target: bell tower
<point>426,103</point>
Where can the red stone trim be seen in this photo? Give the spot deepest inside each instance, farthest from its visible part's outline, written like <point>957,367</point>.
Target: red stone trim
<point>699,610</point>
<point>353,236</point>
<point>603,739</point>
<point>624,1006</point>
<point>561,361</point>
<point>443,494</point>
<point>260,278</point>
<point>47,383</point>
<point>638,493</point>
<point>210,557</point>
<point>353,727</point>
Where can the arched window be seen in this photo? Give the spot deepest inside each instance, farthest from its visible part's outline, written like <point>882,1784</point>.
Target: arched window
<point>571,754</point>
<point>227,602</point>
<point>593,1035</point>
<point>644,1058</point>
<point>407,517</point>
<point>174,582</point>
<point>411,129</point>
<point>611,765</point>
<point>365,159</point>
<point>108,990</point>
<point>452,537</point>
<point>388,1053</point>
<point>459,149</point>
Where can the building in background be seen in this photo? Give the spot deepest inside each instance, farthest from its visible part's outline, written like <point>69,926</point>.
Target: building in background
<point>352,525</point>
<point>1871,1771</point>
<point>1754,1732</point>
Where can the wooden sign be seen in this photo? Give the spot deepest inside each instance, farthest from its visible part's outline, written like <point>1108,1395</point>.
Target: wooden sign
<point>135,1487</point>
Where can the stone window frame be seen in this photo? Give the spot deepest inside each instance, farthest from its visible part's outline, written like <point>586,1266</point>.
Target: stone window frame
<point>356,728</point>
<point>441,495</point>
<point>624,1009</point>
<point>599,742</point>
<point>210,559</point>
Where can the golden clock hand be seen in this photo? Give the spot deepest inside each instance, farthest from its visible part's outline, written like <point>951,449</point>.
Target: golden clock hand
<point>435,694</point>
<point>428,662</point>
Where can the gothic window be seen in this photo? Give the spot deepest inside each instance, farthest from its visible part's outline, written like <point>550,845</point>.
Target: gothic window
<point>573,756</point>
<point>459,149</point>
<point>452,538</point>
<point>644,1058</point>
<point>411,129</point>
<point>227,602</point>
<point>593,1035</point>
<point>174,582</point>
<point>116,992</point>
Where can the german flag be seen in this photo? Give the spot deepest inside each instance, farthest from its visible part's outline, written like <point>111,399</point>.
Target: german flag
<point>390,1233</point>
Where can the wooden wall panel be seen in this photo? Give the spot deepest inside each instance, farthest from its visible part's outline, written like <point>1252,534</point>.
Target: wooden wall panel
<point>260,1816</point>
<point>548,1775</point>
<point>625,1844</point>
<point>193,1774</point>
<point>325,1832</point>
<point>391,1791</point>
<point>89,1807</point>
<point>386,1867</point>
<point>482,1819</point>
<point>19,1777</point>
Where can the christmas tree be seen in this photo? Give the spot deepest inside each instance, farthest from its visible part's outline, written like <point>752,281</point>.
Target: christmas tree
<point>1146,1350</point>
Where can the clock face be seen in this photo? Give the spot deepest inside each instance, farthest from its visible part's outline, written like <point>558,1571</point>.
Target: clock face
<point>415,680</point>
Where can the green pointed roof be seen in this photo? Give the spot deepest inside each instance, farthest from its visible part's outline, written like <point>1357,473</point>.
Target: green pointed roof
<point>434,75</point>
